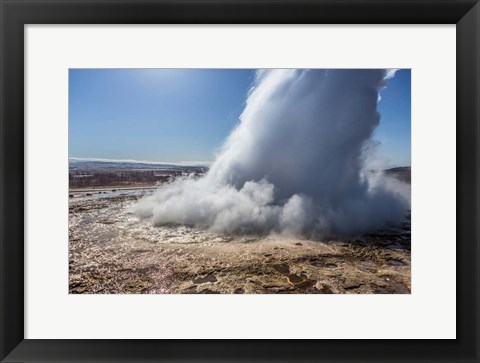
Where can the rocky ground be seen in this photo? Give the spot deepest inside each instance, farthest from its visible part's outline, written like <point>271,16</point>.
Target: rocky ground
<point>111,251</point>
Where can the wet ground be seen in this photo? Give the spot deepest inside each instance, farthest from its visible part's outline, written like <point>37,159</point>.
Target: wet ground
<point>112,251</point>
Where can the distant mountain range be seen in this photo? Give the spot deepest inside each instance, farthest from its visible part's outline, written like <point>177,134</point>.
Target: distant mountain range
<point>402,173</point>
<point>125,164</point>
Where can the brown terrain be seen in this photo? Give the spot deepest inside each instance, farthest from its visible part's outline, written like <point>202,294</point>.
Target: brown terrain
<point>112,251</point>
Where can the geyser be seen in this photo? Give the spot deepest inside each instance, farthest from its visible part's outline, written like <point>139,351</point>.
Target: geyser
<point>294,164</point>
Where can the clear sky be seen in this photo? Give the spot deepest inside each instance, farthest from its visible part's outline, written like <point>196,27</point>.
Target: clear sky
<point>177,115</point>
<point>394,131</point>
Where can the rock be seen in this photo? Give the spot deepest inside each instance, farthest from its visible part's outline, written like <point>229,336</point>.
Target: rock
<point>190,290</point>
<point>205,279</point>
<point>306,284</point>
<point>367,266</point>
<point>350,284</point>
<point>323,289</point>
<point>322,263</point>
<point>395,262</point>
<point>208,291</point>
<point>395,286</point>
<point>283,269</point>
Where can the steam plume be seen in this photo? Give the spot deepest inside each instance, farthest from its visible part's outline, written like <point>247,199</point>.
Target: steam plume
<point>294,164</point>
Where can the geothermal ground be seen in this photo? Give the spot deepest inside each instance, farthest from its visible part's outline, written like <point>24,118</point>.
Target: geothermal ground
<point>111,251</point>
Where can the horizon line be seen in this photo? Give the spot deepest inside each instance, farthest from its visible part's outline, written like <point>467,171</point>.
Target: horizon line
<point>107,160</point>
<point>181,163</point>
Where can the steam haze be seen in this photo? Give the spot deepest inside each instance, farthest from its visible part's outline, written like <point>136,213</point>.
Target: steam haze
<point>294,164</point>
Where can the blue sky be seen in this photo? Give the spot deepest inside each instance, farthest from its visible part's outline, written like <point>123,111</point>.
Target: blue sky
<point>394,131</point>
<point>178,115</point>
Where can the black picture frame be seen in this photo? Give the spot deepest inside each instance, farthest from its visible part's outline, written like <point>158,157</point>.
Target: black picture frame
<point>15,14</point>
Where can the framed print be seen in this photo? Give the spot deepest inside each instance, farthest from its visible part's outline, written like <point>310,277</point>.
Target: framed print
<point>239,223</point>
<point>239,181</point>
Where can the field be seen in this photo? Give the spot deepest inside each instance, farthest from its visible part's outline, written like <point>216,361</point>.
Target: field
<point>112,251</point>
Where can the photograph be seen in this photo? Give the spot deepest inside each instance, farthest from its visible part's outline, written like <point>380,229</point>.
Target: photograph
<point>239,181</point>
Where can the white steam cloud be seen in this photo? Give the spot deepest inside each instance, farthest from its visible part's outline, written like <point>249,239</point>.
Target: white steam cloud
<point>294,164</point>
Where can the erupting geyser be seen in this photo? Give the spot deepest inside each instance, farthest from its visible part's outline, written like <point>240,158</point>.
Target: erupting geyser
<point>294,164</point>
